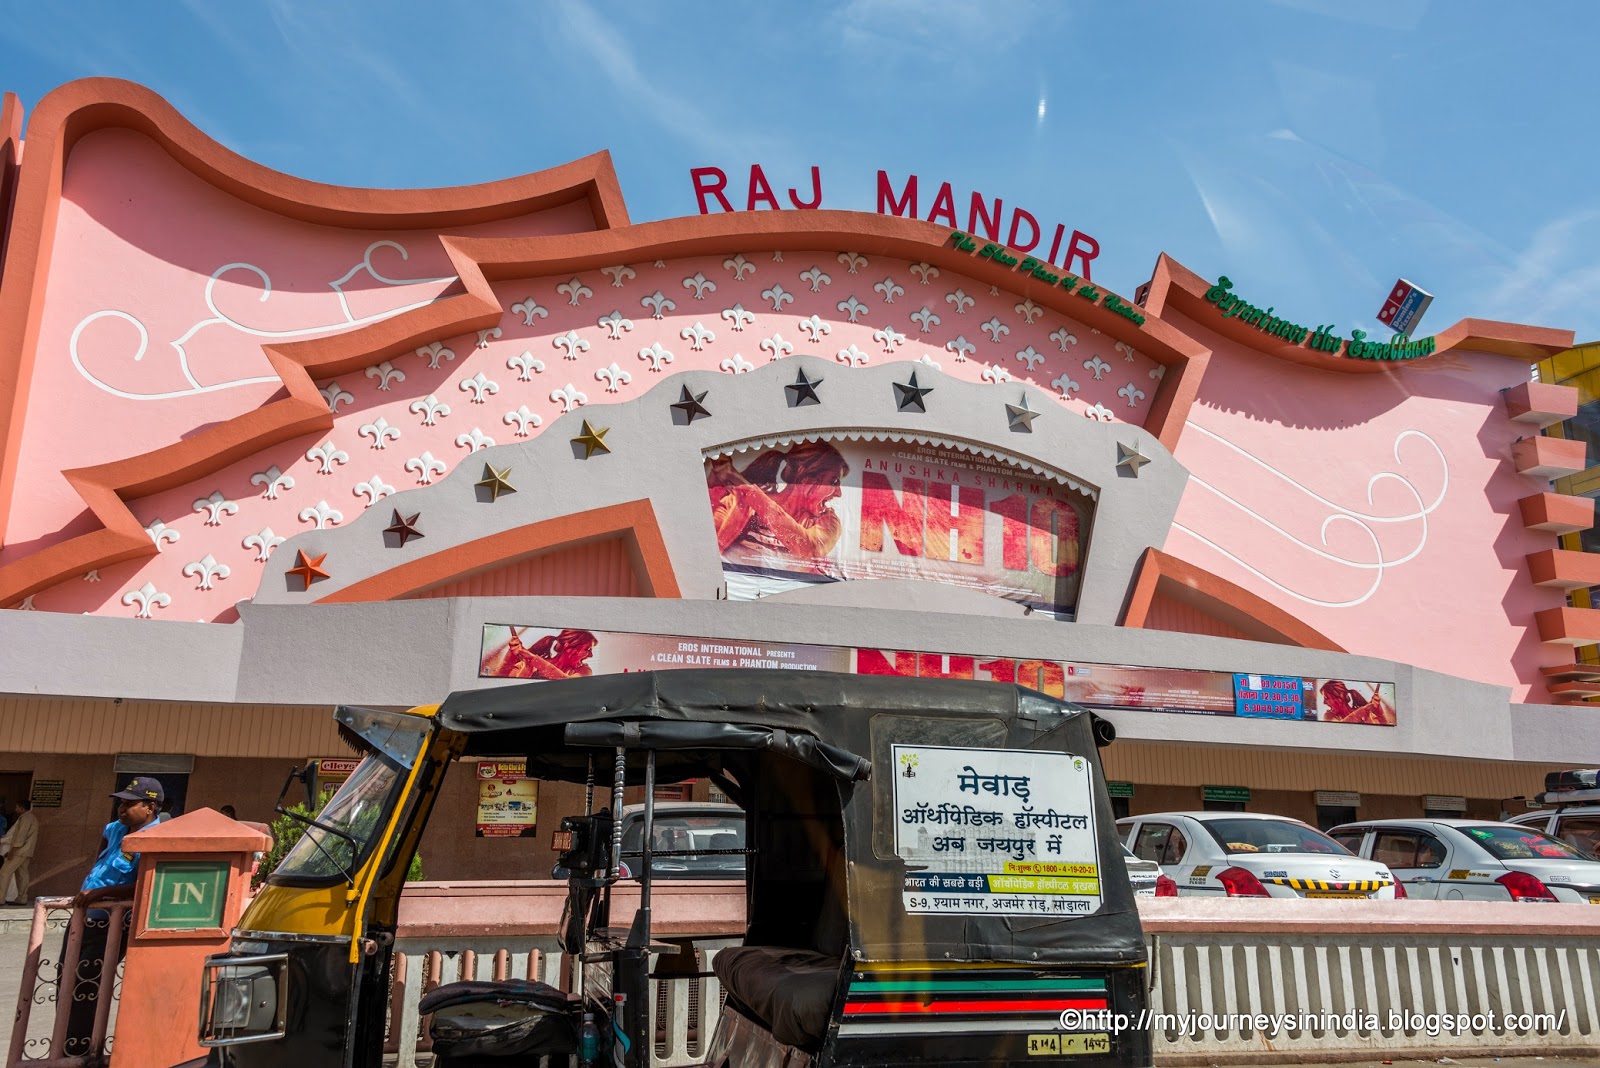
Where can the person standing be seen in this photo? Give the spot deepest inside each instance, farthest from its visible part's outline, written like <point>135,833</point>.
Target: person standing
<point>112,876</point>
<point>19,845</point>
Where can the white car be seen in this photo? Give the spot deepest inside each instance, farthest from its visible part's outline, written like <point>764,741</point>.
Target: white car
<point>1247,854</point>
<point>1575,818</point>
<point>1475,860</point>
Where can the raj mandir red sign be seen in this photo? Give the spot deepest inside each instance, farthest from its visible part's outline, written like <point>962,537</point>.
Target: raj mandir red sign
<point>833,511</point>
<point>518,652</point>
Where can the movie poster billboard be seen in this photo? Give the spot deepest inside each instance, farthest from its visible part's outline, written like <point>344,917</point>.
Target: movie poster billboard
<point>835,511</point>
<point>1349,701</point>
<point>525,652</point>
<point>508,801</point>
<point>995,831</point>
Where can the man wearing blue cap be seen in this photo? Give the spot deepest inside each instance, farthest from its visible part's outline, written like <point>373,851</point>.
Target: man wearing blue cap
<point>112,876</point>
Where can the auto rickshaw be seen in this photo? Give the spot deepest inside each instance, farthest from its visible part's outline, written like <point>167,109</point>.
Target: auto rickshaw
<point>932,876</point>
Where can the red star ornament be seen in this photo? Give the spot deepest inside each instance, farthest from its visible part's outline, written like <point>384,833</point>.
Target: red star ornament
<point>309,568</point>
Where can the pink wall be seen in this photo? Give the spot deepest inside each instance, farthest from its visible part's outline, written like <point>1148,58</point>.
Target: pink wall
<point>138,241</point>
<point>1380,509</point>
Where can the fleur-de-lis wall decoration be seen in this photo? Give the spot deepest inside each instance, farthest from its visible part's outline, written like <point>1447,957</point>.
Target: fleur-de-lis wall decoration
<point>326,455</point>
<point>426,466</point>
<point>614,377</point>
<point>529,309</point>
<point>205,570</point>
<point>571,342</point>
<point>522,419</point>
<point>778,295</point>
<point>433,353</point>
<point>738,317</point>
<point>216,506</point>
<point>373,489</point>
<point>656,355</point>
<point>700,284</point>
<point>474,441</point>
<point>386,373</point>
<point>263,543</point>
<point>615,325</point>
<point>480,386</point>
<point>816,328</point>
<point>273,482</point>
<point>817,277</point>
<point>658,303</point>
<point>379,431</point>
<point>618,273</point>
<point>336,396</point>
<point>739,266</point>
<point>525,365</point>
<point>574,290</point>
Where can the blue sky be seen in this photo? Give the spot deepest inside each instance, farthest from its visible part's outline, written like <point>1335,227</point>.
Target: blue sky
<point>1312,150</point>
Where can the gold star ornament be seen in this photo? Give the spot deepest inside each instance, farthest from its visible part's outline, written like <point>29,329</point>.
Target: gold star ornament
<point>592,440</point>
<point>496,481</point>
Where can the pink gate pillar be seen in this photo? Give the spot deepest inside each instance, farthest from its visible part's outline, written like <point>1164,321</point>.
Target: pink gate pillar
<point>193,874</point>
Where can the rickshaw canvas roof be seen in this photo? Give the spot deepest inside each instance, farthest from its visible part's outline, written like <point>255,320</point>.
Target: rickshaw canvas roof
<point>531,717</point>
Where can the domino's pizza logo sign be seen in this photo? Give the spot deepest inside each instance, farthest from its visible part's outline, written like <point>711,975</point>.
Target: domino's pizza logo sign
<point>1404,308</point>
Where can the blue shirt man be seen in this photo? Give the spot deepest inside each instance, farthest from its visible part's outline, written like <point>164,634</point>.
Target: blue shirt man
<point>114,869</point>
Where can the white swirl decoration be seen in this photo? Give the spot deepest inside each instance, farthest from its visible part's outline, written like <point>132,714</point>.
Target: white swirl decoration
<point>218,317</point>
<point>1365,520</point>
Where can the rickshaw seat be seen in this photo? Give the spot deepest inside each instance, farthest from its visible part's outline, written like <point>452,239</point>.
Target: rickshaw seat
<point>790,990</point>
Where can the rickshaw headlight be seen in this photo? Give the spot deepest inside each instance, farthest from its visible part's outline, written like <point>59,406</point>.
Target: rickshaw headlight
<point>241,999</point>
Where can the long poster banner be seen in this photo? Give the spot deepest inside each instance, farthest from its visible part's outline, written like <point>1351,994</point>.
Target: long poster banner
<point>527,652</point>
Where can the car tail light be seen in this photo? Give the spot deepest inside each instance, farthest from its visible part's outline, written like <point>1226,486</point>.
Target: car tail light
<point>1399,890</point>
<point>1524,887</point>
<point>623,871</point>
<point>1165,887</point>
<point>1240,883</point>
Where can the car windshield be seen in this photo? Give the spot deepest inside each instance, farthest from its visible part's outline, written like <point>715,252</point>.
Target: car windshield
<point>1522,843</point>
<point>684,833</point>
<point>1271,836</point>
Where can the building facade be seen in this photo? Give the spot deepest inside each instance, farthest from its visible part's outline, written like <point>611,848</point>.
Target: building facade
<point>271,446</point>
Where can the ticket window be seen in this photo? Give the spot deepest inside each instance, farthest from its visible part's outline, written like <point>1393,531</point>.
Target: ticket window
<point>1222,806</point>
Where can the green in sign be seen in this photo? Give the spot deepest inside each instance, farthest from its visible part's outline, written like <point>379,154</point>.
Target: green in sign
<point>1119,789</point>
<point>1225,793</point>
<point>187,895</point>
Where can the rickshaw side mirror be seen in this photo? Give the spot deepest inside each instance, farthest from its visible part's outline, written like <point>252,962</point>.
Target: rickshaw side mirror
<point>1104,731</point>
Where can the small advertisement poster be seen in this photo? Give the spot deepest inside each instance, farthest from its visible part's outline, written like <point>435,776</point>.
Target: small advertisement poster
<point>833,511</point>
<point>508,801</point>
<point>995,831</point>
<point>1346,701</point>
<point>1268,696</point>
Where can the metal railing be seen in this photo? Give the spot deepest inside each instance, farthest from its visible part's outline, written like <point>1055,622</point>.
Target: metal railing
<point>683,1011</point>
<point>69,978</point>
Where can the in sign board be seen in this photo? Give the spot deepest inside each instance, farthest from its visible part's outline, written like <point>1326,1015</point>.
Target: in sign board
<point>187,895</point>
<point>1404,308</point>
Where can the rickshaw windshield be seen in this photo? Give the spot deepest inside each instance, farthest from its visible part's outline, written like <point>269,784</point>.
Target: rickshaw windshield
<point>357,810</point>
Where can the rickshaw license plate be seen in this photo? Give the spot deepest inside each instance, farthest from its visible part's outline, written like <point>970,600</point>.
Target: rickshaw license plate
<point>1334,893</point>
<point>1594,899</point>
<point>1067,1045</point>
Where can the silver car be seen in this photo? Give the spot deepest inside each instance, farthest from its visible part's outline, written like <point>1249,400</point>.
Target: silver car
<point>1143,874</point>
<point>1475,860</point>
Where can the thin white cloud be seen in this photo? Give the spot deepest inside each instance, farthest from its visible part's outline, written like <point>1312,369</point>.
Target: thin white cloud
<point>603,43</point>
